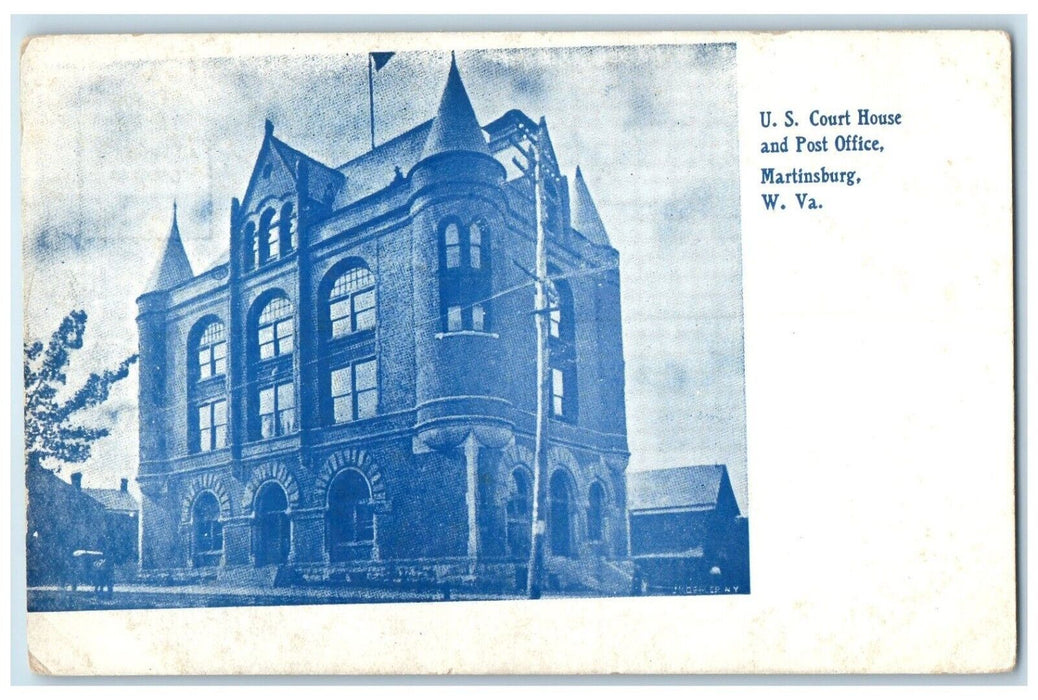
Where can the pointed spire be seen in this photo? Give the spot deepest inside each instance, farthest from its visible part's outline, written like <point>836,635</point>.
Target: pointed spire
<point>584,214</point>
<point>173,267</point>
<point>455,127</point>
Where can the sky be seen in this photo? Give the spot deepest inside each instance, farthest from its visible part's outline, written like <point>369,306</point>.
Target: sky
<point>111,140</point>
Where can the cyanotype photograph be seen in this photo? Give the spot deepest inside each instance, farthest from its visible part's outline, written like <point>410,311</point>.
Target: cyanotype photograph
<point>393,326</point>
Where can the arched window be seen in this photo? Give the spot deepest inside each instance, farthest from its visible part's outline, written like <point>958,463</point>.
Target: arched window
<point>275,328</point>
<point>211,351</point>
<point>268,237</point>
<point>351,302</point>
<point>595,512</point>
<point>206,388</point>
<point>250,245</point>
<point>207,530</point>
<point>519,514</point>
<point>287,229</point>
<point>272,395</point>
<point>464,276</point>
<point>452,245</point>
<point>475,245</point>
<point>350,518</point>
<point>559,515</point>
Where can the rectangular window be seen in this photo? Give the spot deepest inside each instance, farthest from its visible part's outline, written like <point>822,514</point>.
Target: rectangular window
<point>557,391</point>
<point>205,369</point>
<point>219,424</point>
<point>340,315</point>
<point>475,247</point>
<point>212,426</point>
<point>342,395</point>
<point>554,321</point>
<point>366,385</point>
<point>364,310</point>
<point>454,319</point>
<point>355,391</point>
<point>479,317</point>
<point>266,413</point>
<point>277,415</point>
<point>266,342</point>
<point>220,358</point>
<point>284,332</point>
<point>286,400</point>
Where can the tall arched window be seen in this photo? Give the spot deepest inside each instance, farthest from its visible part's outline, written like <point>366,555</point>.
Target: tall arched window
<point>595,512</point>
<point>287,229</point>
<point>275,329</point>
<point>519,514</point>
<point>211,352</point>
<point>350,521</point>
<point>273,397</point>
<point>250,245</point>
<point>206,390</point>
<point>207,546</point>
<point>268,237</point>
<point>464,275</point>
<point>351,303</point>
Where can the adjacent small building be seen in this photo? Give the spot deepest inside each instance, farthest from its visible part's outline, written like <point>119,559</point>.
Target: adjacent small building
<point>121,516</point>
<point>686,530</point>
<point>63,517</point>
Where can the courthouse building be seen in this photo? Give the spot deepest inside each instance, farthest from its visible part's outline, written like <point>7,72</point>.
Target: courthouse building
<point>355,386</point>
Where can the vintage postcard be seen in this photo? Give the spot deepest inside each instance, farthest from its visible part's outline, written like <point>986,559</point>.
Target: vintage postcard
<point>518,353</point>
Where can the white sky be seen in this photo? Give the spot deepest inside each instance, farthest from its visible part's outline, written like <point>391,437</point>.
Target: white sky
<point>108,146</point>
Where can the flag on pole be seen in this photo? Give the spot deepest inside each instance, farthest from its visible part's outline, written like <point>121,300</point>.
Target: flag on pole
<point>381,58</point>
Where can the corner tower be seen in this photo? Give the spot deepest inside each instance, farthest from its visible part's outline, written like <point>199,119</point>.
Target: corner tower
<point>458,210</point>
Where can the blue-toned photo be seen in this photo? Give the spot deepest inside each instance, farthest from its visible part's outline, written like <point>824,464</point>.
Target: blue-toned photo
<point>384,327</point>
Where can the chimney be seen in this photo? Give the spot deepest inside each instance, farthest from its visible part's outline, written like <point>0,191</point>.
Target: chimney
<point>77,480</point>
<point>123,483</point>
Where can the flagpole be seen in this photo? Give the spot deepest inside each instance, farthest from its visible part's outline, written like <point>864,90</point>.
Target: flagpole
<point>371,99</point>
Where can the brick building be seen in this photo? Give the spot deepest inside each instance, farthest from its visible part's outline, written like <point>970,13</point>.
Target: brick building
<point>355,385</point>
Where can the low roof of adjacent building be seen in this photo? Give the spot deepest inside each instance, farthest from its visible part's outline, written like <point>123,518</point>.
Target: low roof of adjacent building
<point>114,499</point>
<point>693,487</point>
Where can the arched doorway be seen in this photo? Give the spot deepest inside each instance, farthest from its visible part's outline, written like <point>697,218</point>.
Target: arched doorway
<point>560,515</point>
<point>596,513</point>
<point>350,520</point>
<point>271,525</point>
<point>519,514</point>
<point>207,530</point>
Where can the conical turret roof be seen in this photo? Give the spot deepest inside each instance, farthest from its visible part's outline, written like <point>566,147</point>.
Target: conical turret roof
<point>174,267</point>
<point>584,214</point>
<point>455,127</point>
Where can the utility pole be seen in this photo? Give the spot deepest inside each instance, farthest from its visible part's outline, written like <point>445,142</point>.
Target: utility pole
<point>534,572</point>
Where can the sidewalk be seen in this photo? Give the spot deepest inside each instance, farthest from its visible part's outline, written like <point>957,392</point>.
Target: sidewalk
<point>130,596</point>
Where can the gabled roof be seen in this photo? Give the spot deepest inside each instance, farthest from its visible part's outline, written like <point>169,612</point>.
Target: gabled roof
<point>681,487</point>
<point>114,499</point>
<point>584,214</point>
<point>173,267</point>
<point>322,182</point>
<point>455,127</point>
